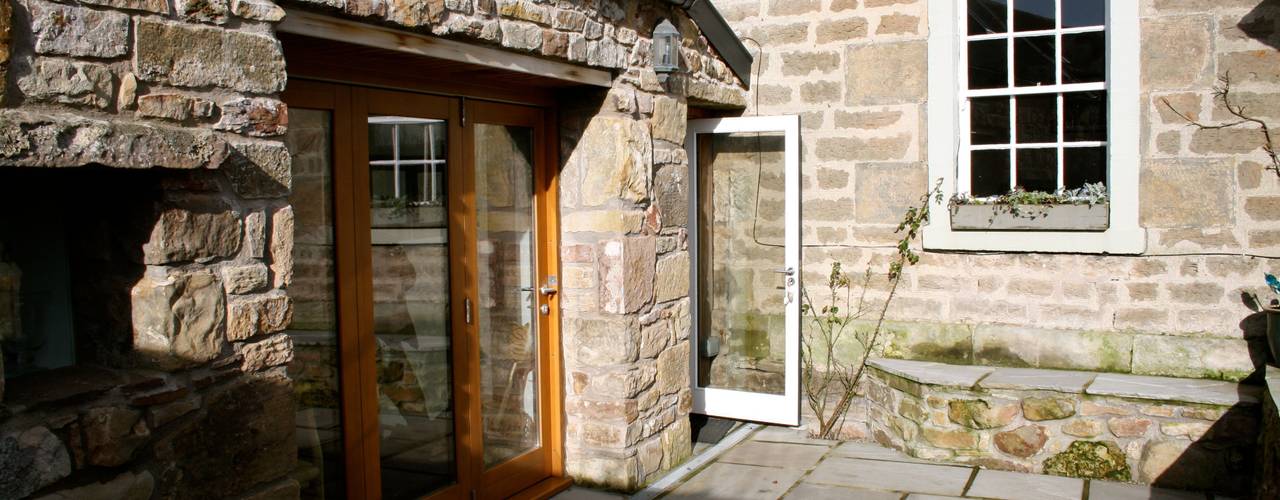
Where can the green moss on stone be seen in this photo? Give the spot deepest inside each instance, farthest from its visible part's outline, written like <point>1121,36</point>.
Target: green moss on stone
<point>1090,460</point>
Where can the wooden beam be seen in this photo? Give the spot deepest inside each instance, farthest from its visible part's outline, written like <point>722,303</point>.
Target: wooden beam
<point>331,28</point>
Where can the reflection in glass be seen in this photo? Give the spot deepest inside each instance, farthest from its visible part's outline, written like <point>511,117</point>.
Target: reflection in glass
<point>741,331</point>
<point>1084,57</point>
<point>1084,166</point>
<point>506,312</point>
<point>1085,116</point>
<point>988,64</point>
<point>1083,13</point>
<point>314,330</point>
<point>989,120</point>
<point>1034,61</point>
<point>989,171</point>
<point>410,258</point>
<point>988,16</point>
<point>1037,118</point>
<point>1038,169</point>
<point>1034,15</point>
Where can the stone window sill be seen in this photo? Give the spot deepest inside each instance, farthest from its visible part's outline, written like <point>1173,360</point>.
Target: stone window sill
<point>998,217</point>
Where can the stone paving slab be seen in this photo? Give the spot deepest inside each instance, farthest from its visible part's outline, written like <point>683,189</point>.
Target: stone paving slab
<point>917,496</point>
<point>891,476</point>
<point>1037,379</point>
<point>872,451</point>
<point>788,435</point>
<point>1003,485</point>
<point>1106,490</point>
<point>1173,389</point>
<point>930,373</point>
<point>726,481</point>
<point>784,455</point>
<point>806,491</point>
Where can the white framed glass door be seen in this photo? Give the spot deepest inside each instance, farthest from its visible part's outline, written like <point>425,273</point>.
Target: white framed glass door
<point>744,206</point>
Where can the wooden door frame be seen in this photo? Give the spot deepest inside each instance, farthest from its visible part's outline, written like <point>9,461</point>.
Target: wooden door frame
<point>351,103</point>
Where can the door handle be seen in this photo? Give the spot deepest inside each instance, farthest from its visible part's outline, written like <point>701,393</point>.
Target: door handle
<point>788,271</point>
<point>545,290</point>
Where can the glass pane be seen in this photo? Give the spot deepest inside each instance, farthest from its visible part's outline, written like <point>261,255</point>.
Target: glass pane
<point>1084,57</point>
<point>988,64</point>
<point>742,335</point>
<point>1083,13</point>
<point>989,173</point>
<point>988,16</point>
<point>1038,169</point>
<point>1033,15</point>
<point>410,257</point>
<point>409,192</point>
<point>412,140</point>
<point>506,312</point>
<point>382,142</point>
<point>989,120</point>
<point>1037,118</point>
<point>1034,61</point>
<point>1084,166</point>
<point>314,329</point>
<point>1085,116</point>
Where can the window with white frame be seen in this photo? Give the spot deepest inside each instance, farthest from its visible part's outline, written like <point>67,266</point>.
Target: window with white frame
<point>1042,95</point>
<point>1035,96</point>
<point>407,160</point>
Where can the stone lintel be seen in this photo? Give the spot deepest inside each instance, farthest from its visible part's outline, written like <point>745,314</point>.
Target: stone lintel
<point>1212,392</point>
<point>33,139</point>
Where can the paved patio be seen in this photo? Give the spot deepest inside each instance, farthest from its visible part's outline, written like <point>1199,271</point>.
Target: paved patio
<point>781,463</point>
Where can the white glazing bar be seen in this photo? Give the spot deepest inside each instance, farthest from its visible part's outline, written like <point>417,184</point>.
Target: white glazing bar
<point>426,171</point>
<point>1057,65</point>
<point>395,157</point>
<point>1042,89</point>
<point>1013,101</point>
<point>1027,34</point>
<point>1038,145</point>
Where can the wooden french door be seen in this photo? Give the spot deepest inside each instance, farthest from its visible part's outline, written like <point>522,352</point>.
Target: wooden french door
<point>443,245</point>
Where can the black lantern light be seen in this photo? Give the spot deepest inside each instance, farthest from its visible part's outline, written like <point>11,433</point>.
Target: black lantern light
<point>666,48</point>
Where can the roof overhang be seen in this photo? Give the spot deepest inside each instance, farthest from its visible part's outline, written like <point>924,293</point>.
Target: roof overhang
<point>721,36</point>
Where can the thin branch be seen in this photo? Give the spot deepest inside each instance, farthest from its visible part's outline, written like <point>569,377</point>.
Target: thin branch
<point>1223,93</point>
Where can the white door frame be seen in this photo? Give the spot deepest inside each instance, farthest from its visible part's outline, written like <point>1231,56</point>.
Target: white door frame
<point>781,409</point>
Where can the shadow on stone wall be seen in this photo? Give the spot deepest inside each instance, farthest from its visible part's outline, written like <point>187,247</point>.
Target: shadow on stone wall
<point>1263,23</point>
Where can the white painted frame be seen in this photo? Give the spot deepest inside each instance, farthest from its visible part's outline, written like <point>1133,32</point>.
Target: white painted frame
<point>947,143</point>
<point>781,409</point>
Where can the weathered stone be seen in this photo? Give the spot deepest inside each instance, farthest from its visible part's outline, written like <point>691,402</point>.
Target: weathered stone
<point>1084,428</point>
<point>671,189</point>
<point>669,119</point>
<point>257,10</point>
<point>673,369</point>
<point>112,434</point>
<point>1127,427</point>
<point>197,56</point>
<point>1192,430</point>
<point>955,439</point>
<point>178,319</point>
<point>981,414</point>
<point>602,342</point>
<point>256,116</point>
<point>614,156</point>
<point>1250,66</point>
<point>626,270</point>
<point>1192,357</point>
<point>77,31</point>
<point>1051,408</point>
<point>1023,442</point>
<point>898,24</point>
<point>62,140</point>
<point>174,106</point>
<point>126,486</point>
<point>128,92</point>
<point>202,11</point>
<point>193,234</point>
<point>259,170</point>
<point>242,279</point>
<point>259,315</point>
<point>272,351</point>
<point>1090,460</point>
<point>903,81</point>
<point>1187,195</point>
<point>31,460</point>
<point>1158,457</point>
<point>1176,51</point>
<point>157,6</point>
<point>159,416</point>
<point>282,224</point>
<point>839,30</point>
<point>672,280</point>
<point>68,82</point>
<point>884,192</point>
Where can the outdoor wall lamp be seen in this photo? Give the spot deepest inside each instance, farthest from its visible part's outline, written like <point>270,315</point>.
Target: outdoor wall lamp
<point>666,49</point>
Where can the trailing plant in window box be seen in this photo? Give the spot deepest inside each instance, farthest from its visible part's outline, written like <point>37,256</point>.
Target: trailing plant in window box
<point>1083,209</point>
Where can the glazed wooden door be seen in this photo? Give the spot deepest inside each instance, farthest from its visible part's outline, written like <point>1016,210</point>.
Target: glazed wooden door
<point>451,302</point>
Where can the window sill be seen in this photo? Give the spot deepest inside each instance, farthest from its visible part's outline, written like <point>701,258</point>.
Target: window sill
<point>999,217</point>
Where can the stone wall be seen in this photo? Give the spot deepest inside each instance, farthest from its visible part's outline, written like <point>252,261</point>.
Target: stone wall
<point>856,73</point>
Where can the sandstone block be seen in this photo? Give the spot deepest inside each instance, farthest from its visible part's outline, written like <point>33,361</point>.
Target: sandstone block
<point>981,414</point>
<point>203,11</point>
<point>883,193</point>
<point>1176,52</point>
<point>903,81</point>
<point>257,10</point>
<point>193,234</point>
<point>792,7</point>
<point>1083,428</point>
<point>1050,408</point>
<point>951,439</point>
<point>614,156</point>
<point>602,342</point>
<point>1192,430</point>
<point>840,30</point>
<point>1023,442</point>
<point>112,435</point>
<point>1194,357</point>
<point>61,140</point>
<point>1227,141</point>
<point>156,6</point>
<point>126,486</point>
<point>259,315</point>
<point>242,279</point>
<point>77,31</point>
<point>673,369</point>
<point>1263,208</point>
<point>178,319</point>
<point>1128,427</point>
<point>31,460</point>
<point>804,63</point>
<point>1090,460</point>
<point>669,119</point>
<point>1260,66</point>
<point>173,106</point>
<point>282,228</point>
<point>68,82</point>
<point>1187,195</point>
<point>259,170</point>
<point>256,116</point>
<point>626,269</point>
<point>671,186</point>
<point>197,56</point>
<point>273,351</point>
<point>820,92</point>
<point>672,281</point>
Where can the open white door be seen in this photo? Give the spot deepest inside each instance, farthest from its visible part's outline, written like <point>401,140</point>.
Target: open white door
<point>744,219</point>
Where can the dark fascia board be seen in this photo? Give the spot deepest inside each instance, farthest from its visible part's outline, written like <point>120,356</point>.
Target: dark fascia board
<point>721,36</point>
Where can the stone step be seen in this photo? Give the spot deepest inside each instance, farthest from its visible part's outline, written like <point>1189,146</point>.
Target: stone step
<point>1208,392</point>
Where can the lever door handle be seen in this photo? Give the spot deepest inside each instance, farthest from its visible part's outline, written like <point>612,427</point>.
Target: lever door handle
<point>548,290</point>
<point>785,271</point>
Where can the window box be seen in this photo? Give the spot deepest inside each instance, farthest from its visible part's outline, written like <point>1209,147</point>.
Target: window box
<point>1059,217</point>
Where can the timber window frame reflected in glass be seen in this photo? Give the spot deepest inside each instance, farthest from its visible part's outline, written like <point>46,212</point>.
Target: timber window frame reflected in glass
<point>1055,82</point>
